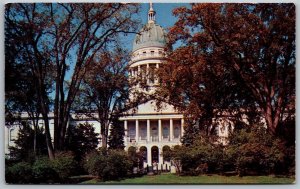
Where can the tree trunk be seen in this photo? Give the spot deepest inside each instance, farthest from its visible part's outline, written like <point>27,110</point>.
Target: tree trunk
<point>104,140</point>
<point>48,137</point>
<point>35,123</point>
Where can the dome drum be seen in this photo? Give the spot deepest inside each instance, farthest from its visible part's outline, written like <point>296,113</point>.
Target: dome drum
<point>147,53</point>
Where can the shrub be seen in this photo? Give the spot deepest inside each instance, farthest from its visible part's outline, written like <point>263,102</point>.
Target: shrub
<point>64,165</point>
<point>199,158</point>
<point>44,171</point>
<point>255,151</point>
<point>108,164</point>
<point>117,165</point>
<point>92,159</point>
<point>20,173</point>
<point>134,156</point>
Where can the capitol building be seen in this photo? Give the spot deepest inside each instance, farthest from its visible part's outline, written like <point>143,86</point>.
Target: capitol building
<point>147,127</point>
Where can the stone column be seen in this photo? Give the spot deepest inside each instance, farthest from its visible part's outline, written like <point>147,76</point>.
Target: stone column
<point>182,127</point>
<point>125,132</point>
<point>160,158</point>
<point>148,130</point>
<point>159,130</point>
<point>149,156</point>
<point>137,130</point>
<point>147,74</point>
<point>171,129</point>
<point>156,77</point>
<point>109,130</point>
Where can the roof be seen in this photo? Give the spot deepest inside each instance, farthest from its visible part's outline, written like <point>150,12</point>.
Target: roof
<point>151,35</point>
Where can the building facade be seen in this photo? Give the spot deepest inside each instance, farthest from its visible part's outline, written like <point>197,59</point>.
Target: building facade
<point>147,127</point>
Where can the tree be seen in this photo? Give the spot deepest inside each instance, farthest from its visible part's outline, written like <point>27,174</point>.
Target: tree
<point>254,43</point>
<point>65,37</point>
<point>24,143</point>
<point>105,89</point>
<point>202,91</point>
<point>81,140</point>
<point>20,81</point>
<point>116,137</point>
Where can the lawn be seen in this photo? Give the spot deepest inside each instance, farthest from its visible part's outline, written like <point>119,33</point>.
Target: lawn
<point>203,179</point>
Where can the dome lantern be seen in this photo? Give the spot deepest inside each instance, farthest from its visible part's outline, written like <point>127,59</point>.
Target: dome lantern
<point>151,14</point>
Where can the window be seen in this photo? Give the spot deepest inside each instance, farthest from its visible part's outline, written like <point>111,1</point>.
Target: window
<point>12,134</point>
<point>152,73</point>
<point>165,132</point>
<point>176,132</point>
<point>143,132</point>
<point>152,53</point>
<point>144,53</point>
<point>154,131</point>
<point>131,132</point>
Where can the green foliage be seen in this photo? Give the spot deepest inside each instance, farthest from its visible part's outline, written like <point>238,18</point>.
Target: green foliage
<point>251,150</point>
<point>44,171</point>
<point>108,164</point>
<point>167,153</point>
<point>94,158</point>
<point>116,137</point>
<point>64,165</point>
<point>135,157</point>
<point>81,140</point>
<point>201,157</point>
<point>20,173</point>
<point>24,149</point>
<point>255,151</point>
<point>117,165</point>
<point>191,132</point>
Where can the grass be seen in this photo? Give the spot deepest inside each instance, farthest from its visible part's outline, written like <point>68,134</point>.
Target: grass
<point>203,179</point>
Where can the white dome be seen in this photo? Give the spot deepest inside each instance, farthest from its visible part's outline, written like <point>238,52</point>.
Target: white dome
<point>151,35</point>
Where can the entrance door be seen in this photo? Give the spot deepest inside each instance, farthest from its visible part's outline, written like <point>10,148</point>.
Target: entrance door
<point>154,154</point>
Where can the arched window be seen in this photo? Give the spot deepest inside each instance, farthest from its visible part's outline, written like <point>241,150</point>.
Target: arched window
<point>12,135</point>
